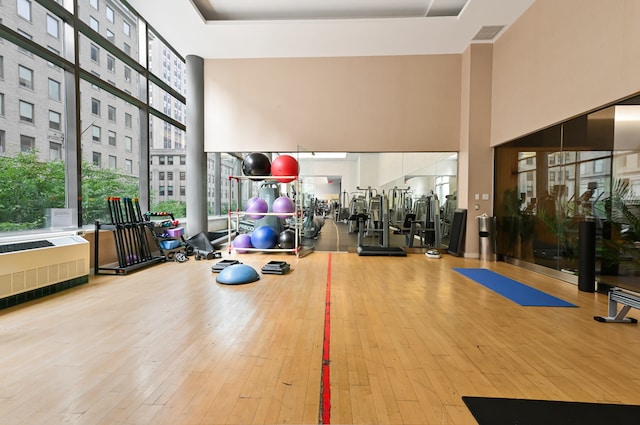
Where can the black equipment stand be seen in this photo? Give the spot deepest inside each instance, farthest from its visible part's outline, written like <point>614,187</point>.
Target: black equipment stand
<point>130,235</point>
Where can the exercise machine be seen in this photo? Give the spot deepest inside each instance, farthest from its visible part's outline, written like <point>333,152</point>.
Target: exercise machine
<point>400,205</point>
<point>423,224</point>
<point>449,207</point>
<point>374,216</point>
<point>357,206</point>
<point>628,299</point>
<point>342,212</point>
<point>311,222</point>
<point>383,249</point>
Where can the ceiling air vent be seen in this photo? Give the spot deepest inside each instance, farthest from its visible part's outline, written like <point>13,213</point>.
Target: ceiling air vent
<point>488,32</point>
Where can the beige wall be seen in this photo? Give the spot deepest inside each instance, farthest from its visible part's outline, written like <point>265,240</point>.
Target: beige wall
<point>561,59</point>
<point>475,171</point>
<point>357,104</point>
<point>106,250</point>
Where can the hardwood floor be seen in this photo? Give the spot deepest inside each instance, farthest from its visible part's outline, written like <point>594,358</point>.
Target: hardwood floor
<point>409,338</point>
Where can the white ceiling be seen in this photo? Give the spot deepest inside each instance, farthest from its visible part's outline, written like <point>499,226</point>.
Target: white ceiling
<point>218,10</point>
<point>326,28</point>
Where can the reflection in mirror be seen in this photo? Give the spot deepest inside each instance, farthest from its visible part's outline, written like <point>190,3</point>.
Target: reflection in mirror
<point>394,199</point>
<point>586,169</point>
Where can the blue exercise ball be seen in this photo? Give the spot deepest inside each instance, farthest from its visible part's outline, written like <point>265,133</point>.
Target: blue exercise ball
<point>264,237</point>
<point>237,274</point>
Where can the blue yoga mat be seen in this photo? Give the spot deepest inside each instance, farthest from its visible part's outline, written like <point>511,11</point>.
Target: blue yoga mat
<point>512,289</point>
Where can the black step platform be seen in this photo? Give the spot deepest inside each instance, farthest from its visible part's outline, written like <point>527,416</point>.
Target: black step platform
<point>276,267</point>
<point>220,265</point>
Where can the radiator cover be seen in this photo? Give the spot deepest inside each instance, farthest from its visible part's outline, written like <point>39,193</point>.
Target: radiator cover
<point>67,258</point>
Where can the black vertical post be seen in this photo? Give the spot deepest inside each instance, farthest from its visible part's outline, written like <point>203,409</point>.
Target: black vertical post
<point>587,256</point>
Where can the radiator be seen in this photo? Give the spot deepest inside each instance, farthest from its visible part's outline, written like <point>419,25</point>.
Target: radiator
<point>31,263</point>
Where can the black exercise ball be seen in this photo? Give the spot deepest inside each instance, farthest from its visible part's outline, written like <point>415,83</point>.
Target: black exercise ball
<point>256,165</point>
<point>287,239</point>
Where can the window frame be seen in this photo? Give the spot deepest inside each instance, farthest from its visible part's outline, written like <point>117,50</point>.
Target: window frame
<point>30,139</point>
<point>57,86</point>
<point>57,125</point>
<point>20,4</point>
<point>24,118</point>
<point>94,24</point>
<point>112,137</point>
<point>96,107</point>
<point>110,14</point>
<point>94,54</point>
<point>51,19</point>
<point>26,83</point>
<point>96,133</point>
<point>112,113</point>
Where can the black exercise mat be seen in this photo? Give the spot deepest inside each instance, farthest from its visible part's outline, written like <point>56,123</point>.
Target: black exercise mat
<point>510,411</point>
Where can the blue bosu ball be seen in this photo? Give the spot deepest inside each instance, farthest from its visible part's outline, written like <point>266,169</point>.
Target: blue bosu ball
<point>237,274</point>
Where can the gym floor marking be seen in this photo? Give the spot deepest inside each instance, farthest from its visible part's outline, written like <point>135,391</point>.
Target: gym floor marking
<point>325,384</point>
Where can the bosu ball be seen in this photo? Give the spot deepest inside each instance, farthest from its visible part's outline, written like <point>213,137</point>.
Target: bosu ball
<point>237,274</point>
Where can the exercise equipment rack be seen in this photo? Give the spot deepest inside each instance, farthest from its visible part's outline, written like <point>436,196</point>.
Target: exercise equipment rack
<point>171,246</point>
<point>235,223</point>
<point>130,234</point>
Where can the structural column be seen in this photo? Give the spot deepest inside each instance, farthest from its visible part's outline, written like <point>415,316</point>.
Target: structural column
<point>475,162</point>
<point>217,183</point>
<point>196,158</point>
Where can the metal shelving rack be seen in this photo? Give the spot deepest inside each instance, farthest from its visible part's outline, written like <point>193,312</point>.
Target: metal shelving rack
<point>158,231</point>
<point>235,216</point>
<point>130,235</point>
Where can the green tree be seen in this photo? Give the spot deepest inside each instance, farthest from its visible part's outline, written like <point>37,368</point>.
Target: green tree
<point>97,185</point>
<point>177,208</point>
<point>29,188</point>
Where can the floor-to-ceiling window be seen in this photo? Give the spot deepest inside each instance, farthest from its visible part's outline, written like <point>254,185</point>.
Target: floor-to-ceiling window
<point>91,104</point>
<point>32,117</point>
<point>167,138</point>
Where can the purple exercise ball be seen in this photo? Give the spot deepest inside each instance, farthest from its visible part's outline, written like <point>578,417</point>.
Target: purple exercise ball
<point>256,208</point>
<point>284,206</point>
<point>242,241</point>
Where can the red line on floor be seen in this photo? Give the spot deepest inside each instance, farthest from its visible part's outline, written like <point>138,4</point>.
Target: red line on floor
<point>325,402</point>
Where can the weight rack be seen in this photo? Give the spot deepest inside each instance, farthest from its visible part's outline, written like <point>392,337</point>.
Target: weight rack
<point>131,238</point>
